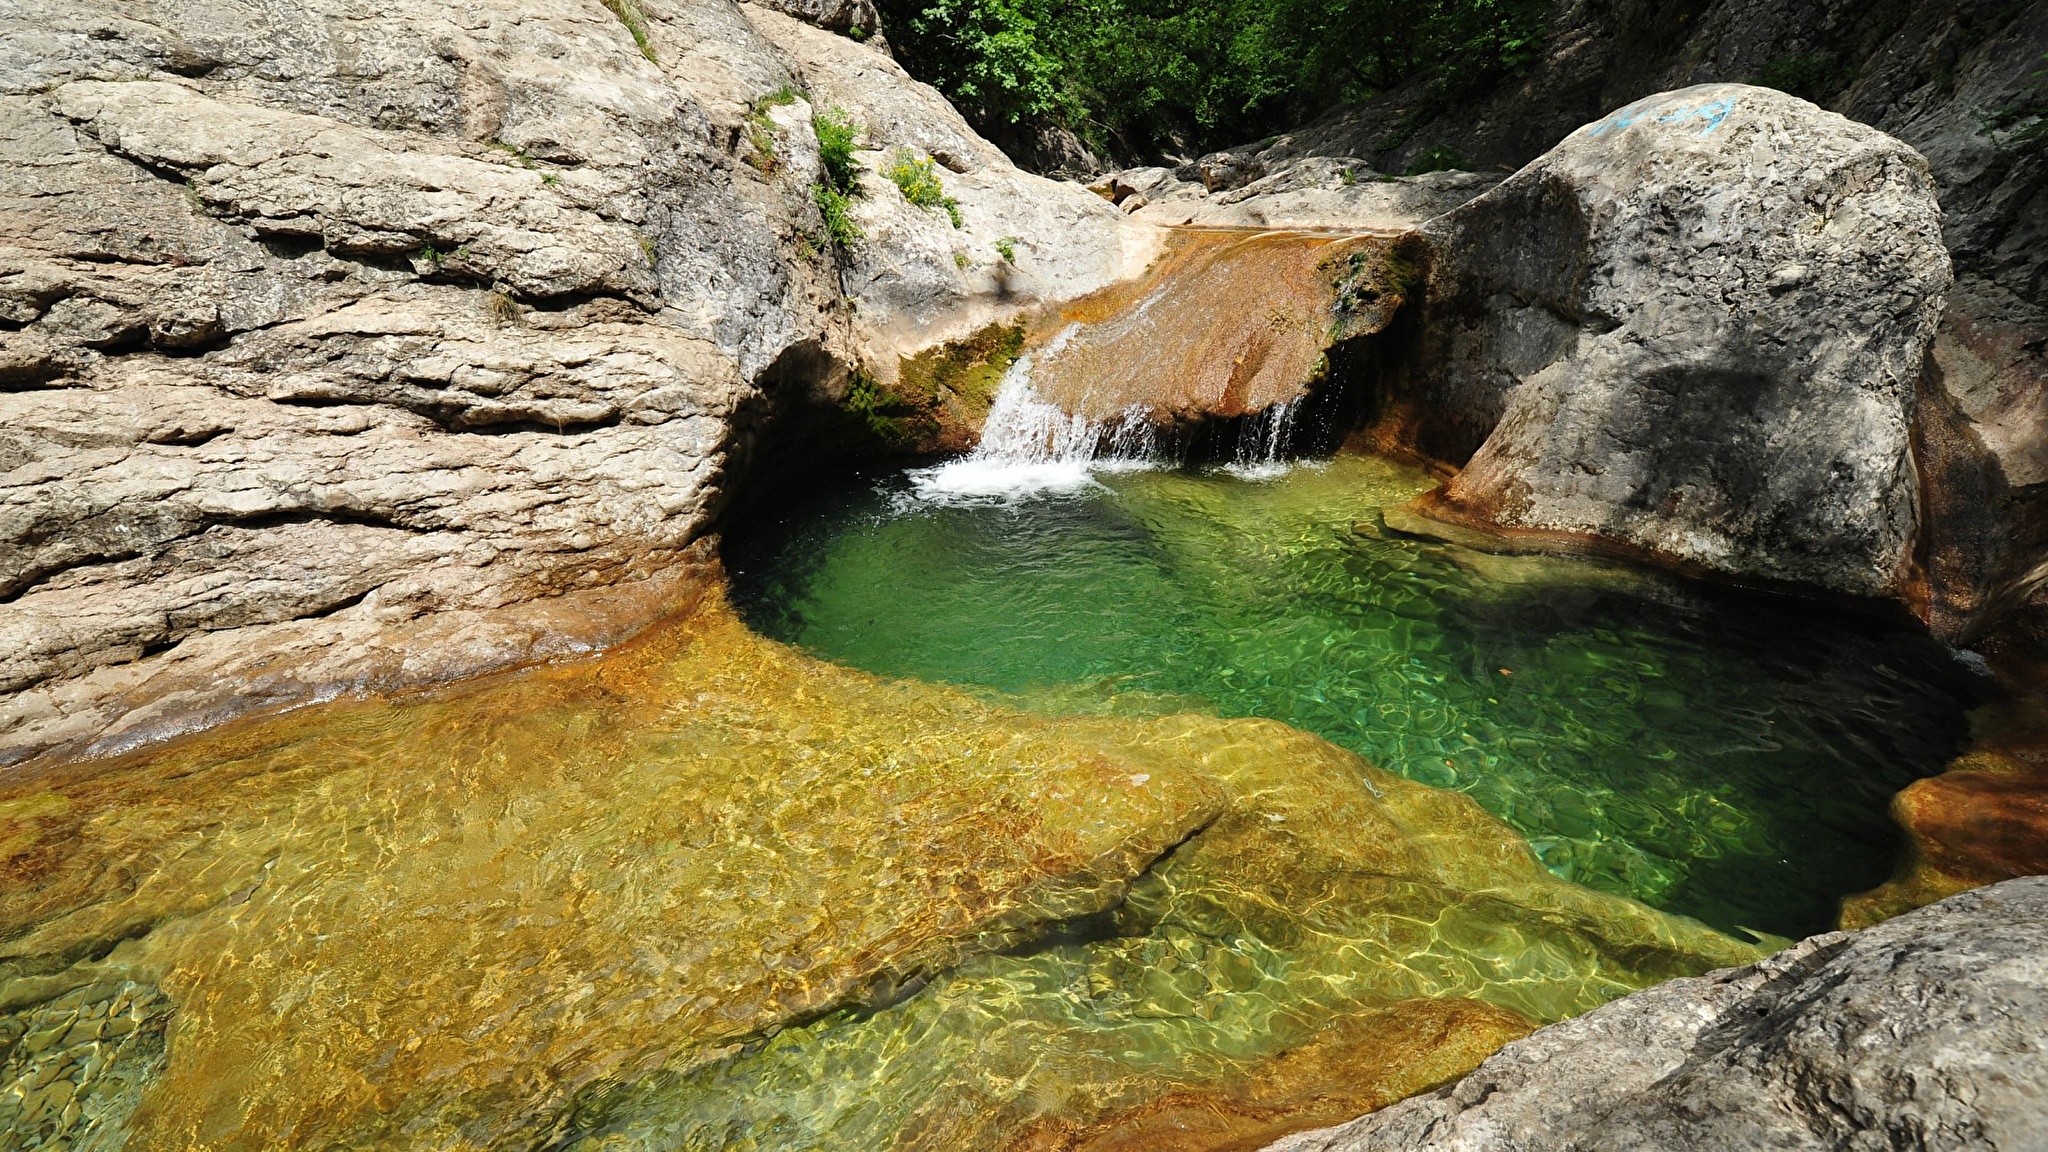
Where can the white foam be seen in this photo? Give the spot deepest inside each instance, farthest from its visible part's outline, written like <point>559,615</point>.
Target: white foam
<point>1271,470</point>
<point>1030,448</point>
<point>971,481</point>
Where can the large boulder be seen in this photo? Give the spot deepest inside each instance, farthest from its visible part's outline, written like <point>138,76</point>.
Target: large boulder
<point>1926,1032</point>
<point>1692,330</point>
<point>1958,80</point>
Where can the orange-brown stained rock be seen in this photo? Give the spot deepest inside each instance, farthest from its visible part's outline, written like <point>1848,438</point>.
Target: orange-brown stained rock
<point>1224,324</point>
<point>1356,1065</point>
<point>451,920</point>
<point>1982,821</point>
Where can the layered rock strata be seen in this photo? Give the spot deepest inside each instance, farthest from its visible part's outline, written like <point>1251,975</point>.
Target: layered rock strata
<point>344,348</point>
<point>1924,1032</point>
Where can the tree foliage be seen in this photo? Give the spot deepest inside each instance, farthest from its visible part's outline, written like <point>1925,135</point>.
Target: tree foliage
<point>1141,77</point>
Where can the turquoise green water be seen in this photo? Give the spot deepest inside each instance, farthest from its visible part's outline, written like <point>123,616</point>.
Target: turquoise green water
<point>1725,756</point>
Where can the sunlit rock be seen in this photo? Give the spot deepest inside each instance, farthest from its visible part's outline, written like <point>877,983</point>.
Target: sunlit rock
<point>1692,330</point>
<point>1923,1032</point>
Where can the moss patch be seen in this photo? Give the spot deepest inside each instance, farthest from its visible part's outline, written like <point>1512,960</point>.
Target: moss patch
<point>940,398</point>
<point>635,22</point>
<point>966,372</point>
<point>1368,285</point>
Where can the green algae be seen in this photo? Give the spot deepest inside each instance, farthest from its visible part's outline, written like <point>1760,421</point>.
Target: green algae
<point>938,397</point>
<point>1725,756</point>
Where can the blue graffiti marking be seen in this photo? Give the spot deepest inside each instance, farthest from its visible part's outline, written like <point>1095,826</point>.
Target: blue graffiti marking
<point>1712,113</point>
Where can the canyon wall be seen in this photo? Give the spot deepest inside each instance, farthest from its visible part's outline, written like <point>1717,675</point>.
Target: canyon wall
<point>353,346</point>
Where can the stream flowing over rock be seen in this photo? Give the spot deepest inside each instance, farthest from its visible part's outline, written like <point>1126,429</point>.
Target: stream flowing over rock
<point>1923,1032</point>
<point>348,347</point>
<point>1693,329</point>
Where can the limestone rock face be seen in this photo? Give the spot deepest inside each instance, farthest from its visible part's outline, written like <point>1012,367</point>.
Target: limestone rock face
<point>1693,329</point>
<point>1317,192</point>
<point>350,346</point>
<point>836,15</point>
<point>1923,1032</point>
<point>920,278</point>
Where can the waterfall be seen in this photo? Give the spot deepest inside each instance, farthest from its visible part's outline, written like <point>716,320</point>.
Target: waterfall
<point>1032,447</point>
<point>1262,442</point>
<point>1029,446</point>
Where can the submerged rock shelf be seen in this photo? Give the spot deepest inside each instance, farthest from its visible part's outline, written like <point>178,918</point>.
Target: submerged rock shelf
<point>538,909</point>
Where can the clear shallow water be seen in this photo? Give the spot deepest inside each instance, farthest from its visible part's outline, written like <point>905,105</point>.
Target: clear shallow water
<point>704,892</point>
<point>1721,755</point>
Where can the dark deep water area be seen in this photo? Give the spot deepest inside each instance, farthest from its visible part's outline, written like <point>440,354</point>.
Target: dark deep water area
<point>1712,752</point>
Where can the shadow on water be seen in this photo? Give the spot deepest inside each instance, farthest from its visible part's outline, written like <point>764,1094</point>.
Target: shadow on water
<point>1713,752</point>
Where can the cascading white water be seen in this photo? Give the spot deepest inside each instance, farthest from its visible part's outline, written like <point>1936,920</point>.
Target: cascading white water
<point>1029,446</point>
<point>1032,447</point>
<point>1262,442</point>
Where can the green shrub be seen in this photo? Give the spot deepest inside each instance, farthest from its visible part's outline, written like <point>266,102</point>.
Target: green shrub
<point>761,129</point>
<point>629,14</point>
<point>1140,78</point>
<point>918,179</point>
<point>1007,249</point>
<point>838,137</point>
<point>836,207</point>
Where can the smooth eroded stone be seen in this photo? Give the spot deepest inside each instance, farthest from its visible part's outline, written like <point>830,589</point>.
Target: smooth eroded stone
<point>1982,821</point>
<point>1923,1032</point>
<point>1690,331</point>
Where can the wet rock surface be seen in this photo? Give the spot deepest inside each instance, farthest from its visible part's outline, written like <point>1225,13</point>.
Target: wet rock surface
<point>1982,821</point>
<point>347,349</point>
<point>1187,343</point>
<point>1693,330</point>
<point>1923,1032</point>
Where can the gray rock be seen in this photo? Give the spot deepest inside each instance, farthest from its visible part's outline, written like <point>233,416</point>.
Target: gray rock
<point>1223,171</point>
<point>1928,1032</point>
<point>1957,80</point>
<point>352,348</point>
<point>918,279</point>
<point>1050,150</point>
<point>1317,192</point>
<point>836,15</point>
<point>1694,329</point>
